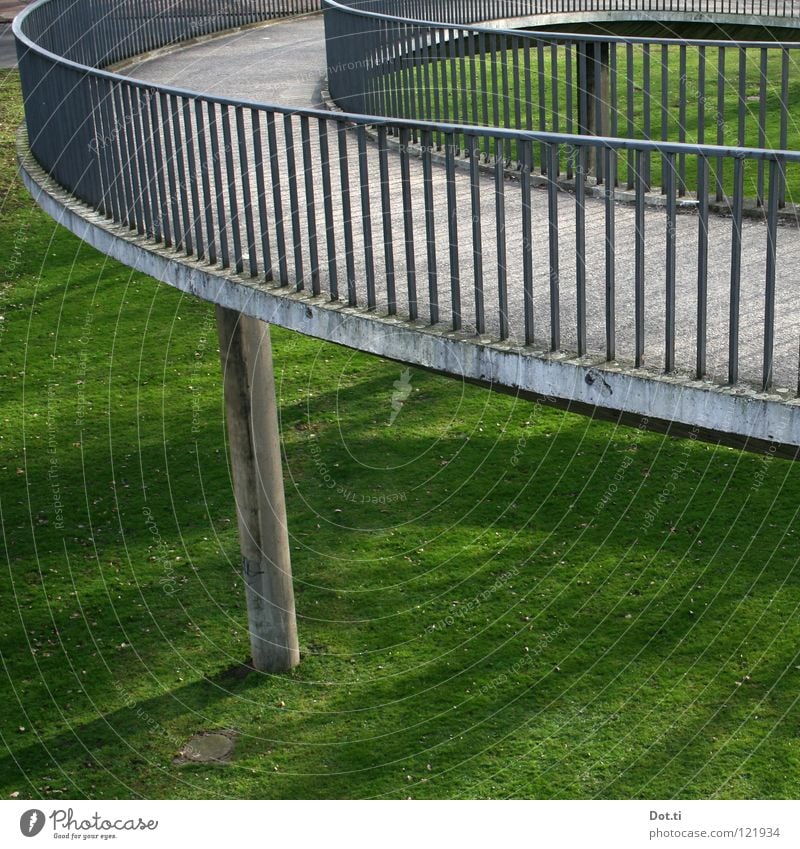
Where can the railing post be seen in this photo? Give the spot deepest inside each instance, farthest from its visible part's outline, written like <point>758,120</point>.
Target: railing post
<point>254,443</point>
<point>593,97</point>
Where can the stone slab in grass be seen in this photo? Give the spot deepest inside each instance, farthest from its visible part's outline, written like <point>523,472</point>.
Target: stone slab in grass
<point>207,747</point>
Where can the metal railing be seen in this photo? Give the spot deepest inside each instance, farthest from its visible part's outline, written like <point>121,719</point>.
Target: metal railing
<point>418,211</point>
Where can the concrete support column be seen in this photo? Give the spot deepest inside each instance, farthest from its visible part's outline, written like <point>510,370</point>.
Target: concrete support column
<point>254,440</point>
<point>594,102</point>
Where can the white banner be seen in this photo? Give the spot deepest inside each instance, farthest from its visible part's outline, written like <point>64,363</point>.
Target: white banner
<point>407,824</point>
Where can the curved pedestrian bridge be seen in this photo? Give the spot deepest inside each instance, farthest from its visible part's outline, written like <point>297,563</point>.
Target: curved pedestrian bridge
<point>601,221</point>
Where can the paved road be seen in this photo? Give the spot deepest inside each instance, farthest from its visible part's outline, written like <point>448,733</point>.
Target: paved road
<point>285,63</point>
<point>8,52</point>
<point>9,9</point>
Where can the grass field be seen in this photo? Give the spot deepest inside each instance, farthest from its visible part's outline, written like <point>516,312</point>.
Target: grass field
<point>495,599</point>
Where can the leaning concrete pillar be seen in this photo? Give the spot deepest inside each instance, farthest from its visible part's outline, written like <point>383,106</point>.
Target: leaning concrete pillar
<point>254,441</point>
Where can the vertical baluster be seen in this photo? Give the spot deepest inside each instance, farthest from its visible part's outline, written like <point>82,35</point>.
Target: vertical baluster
<point>643,169</point>
<point>477,242</point>
<point>216,158</point>
<point>366,215</point>
<point>247,199</point>
<point>552,218</point>
<point>386,218</point>
<point>736,267</point>
<point>311,213</point>
<point>669,328</point>
<point>191,164</point>
<point>294,201</point>
<point>639,260</point>
<point>762,120</point>
<point>233,204</point>
<point>526,157</point>
<point>277,199</point>
<point>430,226</point>
<point>610,156</point>
<point>629,78</point>
<point>500,218</point>
<point>784,115</point>
<point>408,223</point>
<point>702,265</point>
<point>775,188</point>
<point>168,139</point>
<point>347,215</point>
<point>580,247</point>
<point>327,199</point>
<point>452,229</point>
<point>261,194</point>
<point>205,167</point>
<point>183,190</point>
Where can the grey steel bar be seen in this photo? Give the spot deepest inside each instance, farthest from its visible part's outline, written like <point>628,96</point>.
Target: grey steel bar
<point>222,221</point>
<point>347,215</point>
<point>526,160</point>
<point>500,220</point>
<point>386,219</point>
<point>127,189</point>
<point>664,107</point>
<point>639,257</point>
<point>294,202</point>
<point>327,200</point>
<point>194,183</point>
<point>669,327</point>
<point>430,226</point>
<point>261,195</point>
<point>452,229</point>
<point>247,202</point>
<point>233,204</point>
<point>629,83</point>
<point>552,218</point>
<point>784,116</point>
<point>178,135</point>
<point>277,200</point>
<point>153,165</point>
<point>736,266</point>
<point>742,94</point>
<point>701,96</point>
<point>682,81</point>
<point>775,189</point>
<point>366,216</point>
<point>580,248</point>
<point>311,213</point>
<point>719,191</point>
<point>477,243</point>
<point>762,122</point>
<point>205,182</point>
<point>610,254</point>
<point>142,143</point>
<point>702,266</point>
<point>408,223</point>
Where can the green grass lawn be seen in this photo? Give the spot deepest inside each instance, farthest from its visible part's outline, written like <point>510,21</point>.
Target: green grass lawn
<point>491,90</point>
<point>495,598</point>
